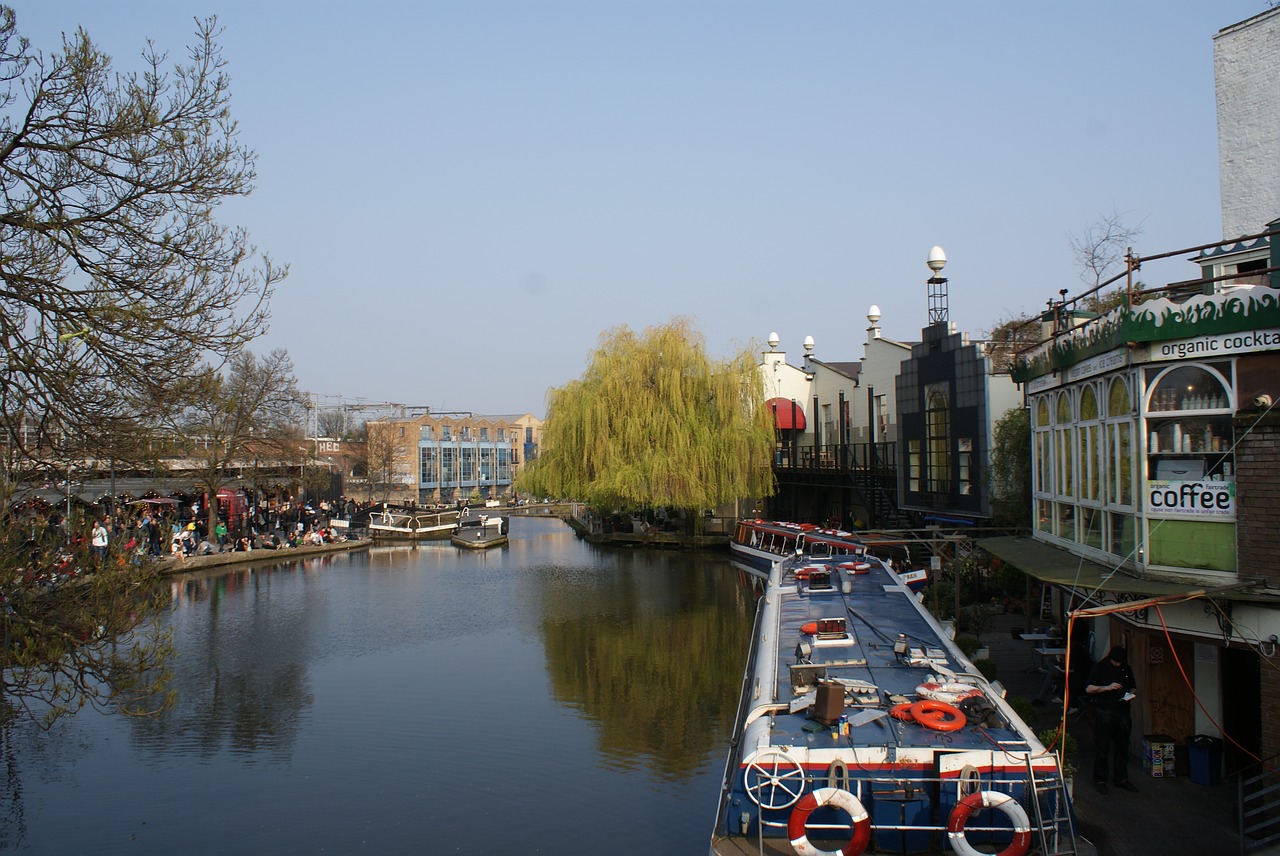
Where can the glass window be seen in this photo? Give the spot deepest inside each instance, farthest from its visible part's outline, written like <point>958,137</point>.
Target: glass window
<point>913,466</point>
<point>1042,412</point>
<point>1118,401</point>
<point>1091,534</point>
<point>1088,403</point>
<point>1189,387</point>
<point>938,422</point>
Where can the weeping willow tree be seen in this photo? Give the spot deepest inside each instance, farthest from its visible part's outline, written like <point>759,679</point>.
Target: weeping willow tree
<point>656,422</point>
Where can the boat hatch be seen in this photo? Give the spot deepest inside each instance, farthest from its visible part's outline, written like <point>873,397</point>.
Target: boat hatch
<point>819,580</point>
<point>827,629</point>
<point>806,676</point>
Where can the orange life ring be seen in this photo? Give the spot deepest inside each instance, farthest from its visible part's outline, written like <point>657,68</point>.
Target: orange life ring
<point>840,799</point>
<point>989,799</point>
<point>938,715</point>
<point>902,711</point>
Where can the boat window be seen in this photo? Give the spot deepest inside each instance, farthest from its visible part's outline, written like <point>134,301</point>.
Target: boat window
<point>819,549</point>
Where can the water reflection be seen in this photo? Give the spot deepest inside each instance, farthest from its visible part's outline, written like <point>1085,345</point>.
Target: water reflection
<point>410,688</point>
<point>651,652</point>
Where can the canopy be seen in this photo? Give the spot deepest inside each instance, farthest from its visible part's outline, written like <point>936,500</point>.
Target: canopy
<point>787,414</point>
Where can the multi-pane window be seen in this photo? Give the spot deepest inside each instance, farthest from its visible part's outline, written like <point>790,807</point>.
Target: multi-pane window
<point>913,466</point>
<point>938,435</point>
<point>1083,465</point>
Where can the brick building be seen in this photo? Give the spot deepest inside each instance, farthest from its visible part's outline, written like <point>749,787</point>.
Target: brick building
<point>453,457</point>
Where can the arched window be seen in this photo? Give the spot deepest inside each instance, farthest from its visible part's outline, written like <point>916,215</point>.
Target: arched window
<point>938,435</point>
<point>1119,402</point>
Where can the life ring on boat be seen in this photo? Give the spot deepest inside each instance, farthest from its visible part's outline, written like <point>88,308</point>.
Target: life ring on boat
<point>839,798</point>
<point>989,799</point>
<point>950,693</point>
<point>856,567</point>
<point>938,715</point>
<point>902,711</point>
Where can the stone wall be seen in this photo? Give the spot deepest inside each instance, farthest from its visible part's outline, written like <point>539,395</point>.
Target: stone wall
<point>1246,61</point>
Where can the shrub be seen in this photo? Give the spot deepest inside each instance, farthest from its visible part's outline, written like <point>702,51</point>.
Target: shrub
<point>988,668</point>
<point>968,644</point>
<point>1022,706</point>
<point>1067,749</point>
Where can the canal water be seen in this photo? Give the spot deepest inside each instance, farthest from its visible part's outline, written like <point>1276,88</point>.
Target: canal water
<point>547,697</point>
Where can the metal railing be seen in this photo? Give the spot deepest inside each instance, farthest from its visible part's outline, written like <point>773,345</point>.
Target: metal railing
<point>1259,800</point>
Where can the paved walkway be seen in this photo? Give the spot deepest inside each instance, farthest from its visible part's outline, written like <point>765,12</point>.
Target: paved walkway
<point>1168,816</point>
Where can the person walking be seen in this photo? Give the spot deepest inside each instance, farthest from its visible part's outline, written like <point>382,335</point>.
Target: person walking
<point>98,539</point>
<point>1111,687</point>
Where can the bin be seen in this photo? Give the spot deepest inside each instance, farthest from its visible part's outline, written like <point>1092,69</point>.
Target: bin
<point>1205,755</point>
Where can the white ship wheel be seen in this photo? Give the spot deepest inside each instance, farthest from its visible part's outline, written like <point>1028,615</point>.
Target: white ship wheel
<point>774,779</point>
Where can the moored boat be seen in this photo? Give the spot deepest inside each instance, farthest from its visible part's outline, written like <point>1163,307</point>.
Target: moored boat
<point>863,727</point>
<point>757,544</point>
<point>399,523</point>
<point>480,531</point>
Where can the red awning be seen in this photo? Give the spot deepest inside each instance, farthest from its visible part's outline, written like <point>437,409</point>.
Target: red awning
<point>787,414</point>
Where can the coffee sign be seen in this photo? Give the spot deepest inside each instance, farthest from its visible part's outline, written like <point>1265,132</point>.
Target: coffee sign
<point>1192,498</point>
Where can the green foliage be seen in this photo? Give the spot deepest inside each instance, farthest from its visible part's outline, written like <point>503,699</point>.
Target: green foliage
<point>656,422</point>
<point>1023,707</point>
<point>89,639</point>
<point>988,668</point>
<point>969,645</point>
<point>1065,745</point>
<point>1011,469</point>
<point>975,618</point>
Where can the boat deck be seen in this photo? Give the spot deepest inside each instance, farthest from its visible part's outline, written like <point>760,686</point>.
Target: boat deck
<point>837,645</point>
<point>864,657</point>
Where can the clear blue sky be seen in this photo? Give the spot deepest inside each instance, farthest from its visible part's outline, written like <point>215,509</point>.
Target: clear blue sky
<point>470,193</point>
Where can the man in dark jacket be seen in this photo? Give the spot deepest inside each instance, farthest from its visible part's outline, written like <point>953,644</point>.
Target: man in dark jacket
<point>1111,686</point>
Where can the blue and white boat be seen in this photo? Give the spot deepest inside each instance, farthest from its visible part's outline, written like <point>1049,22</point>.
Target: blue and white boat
<point>862,728</point>
<point>757,544</point>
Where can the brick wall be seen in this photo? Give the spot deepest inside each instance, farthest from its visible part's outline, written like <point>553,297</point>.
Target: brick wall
<point>1257,494</point>
<point>1257,522</point>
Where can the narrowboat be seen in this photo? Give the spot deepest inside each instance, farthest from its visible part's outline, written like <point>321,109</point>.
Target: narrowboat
<point>757,544</point>
<point>862,728</point>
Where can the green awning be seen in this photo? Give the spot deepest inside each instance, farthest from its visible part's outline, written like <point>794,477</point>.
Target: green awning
<point>1054,565</point>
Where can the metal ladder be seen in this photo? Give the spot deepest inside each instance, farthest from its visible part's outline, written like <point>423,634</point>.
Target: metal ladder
<point>1053,843</point>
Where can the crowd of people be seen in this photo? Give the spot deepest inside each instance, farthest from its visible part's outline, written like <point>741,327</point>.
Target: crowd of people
<point>176,527</point>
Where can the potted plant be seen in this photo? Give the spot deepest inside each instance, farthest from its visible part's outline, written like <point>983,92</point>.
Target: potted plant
<point>1066,749</point>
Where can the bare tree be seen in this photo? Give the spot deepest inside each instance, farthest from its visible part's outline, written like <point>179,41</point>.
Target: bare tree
<point>384,447</point>
<point>254,409</point>
<point>115,277</point>
<point>331,423</point>
<point>1099,252</point>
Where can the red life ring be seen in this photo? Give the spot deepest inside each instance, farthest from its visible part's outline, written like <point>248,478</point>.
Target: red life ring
<point>902,711</point>
<point>938,715</point>
<point>989,799</point>
<point>856,567</point>
<point>950,692</point>
<point>840,799</point>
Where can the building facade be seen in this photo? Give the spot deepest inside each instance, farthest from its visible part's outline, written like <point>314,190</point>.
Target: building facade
<point>444,459</point>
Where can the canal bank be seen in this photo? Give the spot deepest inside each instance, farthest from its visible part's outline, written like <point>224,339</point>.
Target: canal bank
<point>182,565</point>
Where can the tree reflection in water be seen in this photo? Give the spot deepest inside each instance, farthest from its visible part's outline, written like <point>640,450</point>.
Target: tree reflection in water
<point>653,652</point>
